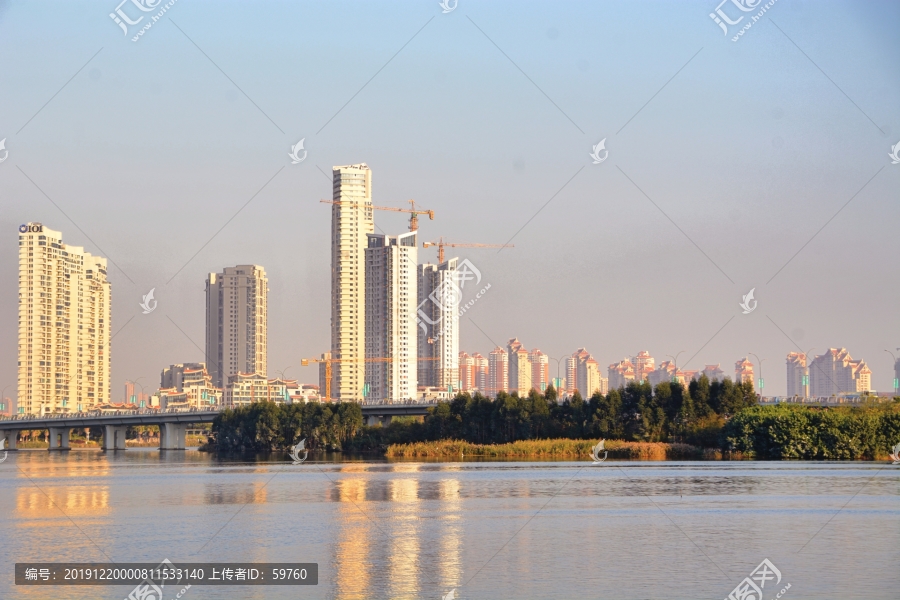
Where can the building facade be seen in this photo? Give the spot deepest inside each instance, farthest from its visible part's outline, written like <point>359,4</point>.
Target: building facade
<point>519,376</point>
<point>236,322</point>
<point>482,372</point>
<point>247,388</point>
<point>644,364</point>
<point>797,375</point>
<point>713,373</point>
<point>391,333</point>
<point>585,373</point>
<point>192,387</point>
<point>836,372</point>
<point>743,372</point>
<point>351,223</point>
<point>438,325</point>
<point>540,369</point>
<point>466,372</point>
<point>620,374</point>
<point>64,325</point>
<point>498,372</point>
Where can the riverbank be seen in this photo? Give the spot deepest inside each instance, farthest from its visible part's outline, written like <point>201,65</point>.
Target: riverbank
<point>557,448</point>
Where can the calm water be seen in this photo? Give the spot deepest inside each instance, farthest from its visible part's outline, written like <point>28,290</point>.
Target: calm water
<point>490,529</point>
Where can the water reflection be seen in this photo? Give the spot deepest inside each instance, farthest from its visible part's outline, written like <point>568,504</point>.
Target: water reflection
<point>352,564</point>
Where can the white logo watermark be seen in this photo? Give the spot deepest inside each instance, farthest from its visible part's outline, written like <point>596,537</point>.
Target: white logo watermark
<point>723,20</point>
<point>746,303</point>
<point>751,588</point>
<point>146,304</point>
<point>596,153</point>
<point>596,450</point>
<point>448,5</point>
<point>448,295</point>
<point>896,455</point>
<point>3,447</point>
<point>296,450</point>
<point>123,20</point>
<point>6,152</point>
<point>149,590</point>
<point>295,153</point>
<point>895,151</point>
<point>451,595</point>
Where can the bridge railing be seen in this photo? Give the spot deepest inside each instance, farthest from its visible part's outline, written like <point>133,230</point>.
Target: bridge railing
<point>108,413</point>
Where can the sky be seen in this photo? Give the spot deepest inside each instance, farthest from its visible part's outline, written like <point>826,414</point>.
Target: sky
<point>761,163</point>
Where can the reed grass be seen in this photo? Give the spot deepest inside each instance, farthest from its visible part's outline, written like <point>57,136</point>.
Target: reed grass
<point>558,448</point>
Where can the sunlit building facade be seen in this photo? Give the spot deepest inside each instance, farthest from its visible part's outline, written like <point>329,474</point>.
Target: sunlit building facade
<point>351,223</point>
<point>391,333</point>
<point>64,325</point>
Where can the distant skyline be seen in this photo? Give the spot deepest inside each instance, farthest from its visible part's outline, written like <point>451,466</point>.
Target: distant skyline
<point>760,164</point>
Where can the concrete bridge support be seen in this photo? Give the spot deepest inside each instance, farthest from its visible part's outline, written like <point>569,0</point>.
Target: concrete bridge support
<point>383,420</point>
<point>59,438</point>
<point>172,436</point>
<point>114,437</point>
<point>10,435</point>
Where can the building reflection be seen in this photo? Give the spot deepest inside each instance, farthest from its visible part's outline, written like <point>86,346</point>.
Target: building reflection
<point>352,552</point>
<point>400,536</point>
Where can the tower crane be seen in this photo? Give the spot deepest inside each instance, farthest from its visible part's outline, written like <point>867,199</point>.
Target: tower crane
<point>413,211</point>
<point>441,244</point>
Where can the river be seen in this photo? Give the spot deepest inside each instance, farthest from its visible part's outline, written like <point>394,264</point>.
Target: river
<point>413,529</point>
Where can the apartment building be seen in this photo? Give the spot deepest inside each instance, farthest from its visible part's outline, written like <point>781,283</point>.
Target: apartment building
<point>836,372</point>
<point>498,372</point>
<point>621,374</point>
<point>64,325</point>
<point>438,325</point>
<point>540,369</point>
<point>351,223</point>
<point>391,333</point>
<point>236,322</point>
<point>466,372</point>
<point>797,375</point>
<point>743,371</point>
<point>519,377</point>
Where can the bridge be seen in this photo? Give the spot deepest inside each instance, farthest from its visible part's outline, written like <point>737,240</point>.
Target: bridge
<point>173,423</point>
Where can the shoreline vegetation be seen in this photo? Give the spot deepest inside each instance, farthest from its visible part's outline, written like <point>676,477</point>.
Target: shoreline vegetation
<point>710,420</point>
<point>555,448</point>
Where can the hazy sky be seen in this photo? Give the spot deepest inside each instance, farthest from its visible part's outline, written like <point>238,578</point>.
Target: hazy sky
<point>727,161</point>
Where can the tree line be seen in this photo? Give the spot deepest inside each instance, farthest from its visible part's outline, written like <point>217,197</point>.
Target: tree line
<point>637,412</point>
<point>264,426</point>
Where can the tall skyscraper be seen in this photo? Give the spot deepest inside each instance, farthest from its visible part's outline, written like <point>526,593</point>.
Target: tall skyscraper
<point>797,375</point>
<point>351,222</point>
<point>438,327</point>
<point>586,373</point>
<point>390,317</point>
<point>519,378</point>
<point>236,322</point>
<point>498,371</point>
<point>466,372</point>
<point>482,372</point>
<point>835,372</point>
<point>540,369</point>
<point>64,324</point>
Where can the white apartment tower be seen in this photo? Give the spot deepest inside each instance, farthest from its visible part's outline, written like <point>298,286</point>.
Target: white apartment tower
<point>64,323</point>
<point>390,318</point>
<point>835,372</point>
<point>236,322</point>
<point>797,375</point>
<point>351,223</point>
<point>438,325</point>
<point>519,377</point>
